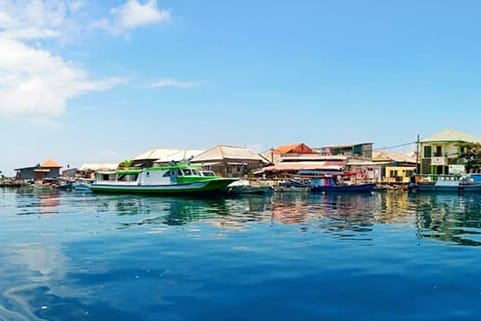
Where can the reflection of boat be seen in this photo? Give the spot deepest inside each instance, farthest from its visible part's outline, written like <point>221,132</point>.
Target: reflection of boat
<point>245,187</point>
<point>174,179</point>
<point>444,183</point>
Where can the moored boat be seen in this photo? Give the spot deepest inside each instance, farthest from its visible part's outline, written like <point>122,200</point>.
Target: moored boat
<point>445,183</point>
<point>331,184</point>
<point>246,187</point>
<point>174,179</point>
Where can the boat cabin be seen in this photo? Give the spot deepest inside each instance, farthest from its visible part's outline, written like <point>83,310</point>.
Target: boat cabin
<point>164,175</point>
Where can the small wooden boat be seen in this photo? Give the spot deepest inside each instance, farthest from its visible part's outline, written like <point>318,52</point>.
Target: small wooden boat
<point>337,184</point>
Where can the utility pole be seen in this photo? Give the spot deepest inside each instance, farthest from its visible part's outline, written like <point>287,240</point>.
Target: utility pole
<point>418,165</point>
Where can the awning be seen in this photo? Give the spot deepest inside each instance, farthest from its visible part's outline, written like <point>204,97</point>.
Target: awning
<point>291,166</point>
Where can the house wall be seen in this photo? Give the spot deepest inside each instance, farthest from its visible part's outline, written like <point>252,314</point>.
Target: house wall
<point>437,156</point>
<point>26,173</point>
<point>399,174</point>
<point>54,172</point>
<point>239,168</point>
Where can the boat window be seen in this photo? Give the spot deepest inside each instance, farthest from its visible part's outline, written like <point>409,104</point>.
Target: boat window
<point>128,177</point>
<point>179,173</point>
<point>195,172</point>
<point>166,174</point>
<point>187,172</point>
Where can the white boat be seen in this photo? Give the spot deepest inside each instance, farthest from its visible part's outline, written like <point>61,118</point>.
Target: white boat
<point>175,179</point>
<point>246,187</point>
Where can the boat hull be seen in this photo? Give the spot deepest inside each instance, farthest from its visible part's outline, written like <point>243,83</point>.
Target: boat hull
<point>462,188</point>
<point>201,187</point>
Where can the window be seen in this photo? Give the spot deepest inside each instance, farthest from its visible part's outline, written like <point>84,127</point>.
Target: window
<point>187,172</point>
<point>427,152</point>
<point>439,151</point>
<point>166,174</point>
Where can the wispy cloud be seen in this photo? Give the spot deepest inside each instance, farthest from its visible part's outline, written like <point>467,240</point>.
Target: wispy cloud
<point>171,83</point>
<point>131,15</point>
<point>33,80</point>
<point>35,19</point>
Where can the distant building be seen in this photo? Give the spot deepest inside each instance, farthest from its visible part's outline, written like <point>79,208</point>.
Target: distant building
<point>395,167</point>
<point>230,161</point>
<point>441,151</point>
<point>360,151</point>
<point>162,156</point>
<point>290,159</point>
<point>47,170</point>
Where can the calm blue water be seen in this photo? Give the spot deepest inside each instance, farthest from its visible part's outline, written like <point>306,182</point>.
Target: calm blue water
<point>387,256</point>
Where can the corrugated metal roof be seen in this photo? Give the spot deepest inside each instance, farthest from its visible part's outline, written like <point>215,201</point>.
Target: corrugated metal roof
<point>167,154</point>
<point>404,157</point>
<point>296,166</point>
<point>99,166</point>
<point>451,135</point>
<point>222,152</point>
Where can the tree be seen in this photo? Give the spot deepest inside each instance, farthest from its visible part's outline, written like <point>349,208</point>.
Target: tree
<point>470,156</point>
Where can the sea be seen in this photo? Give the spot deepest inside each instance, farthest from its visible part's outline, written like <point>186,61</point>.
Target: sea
<point>289,256</point>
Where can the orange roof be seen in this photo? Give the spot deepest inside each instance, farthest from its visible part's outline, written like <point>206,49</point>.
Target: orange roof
<point>299,148</point>
<point>50,164</point>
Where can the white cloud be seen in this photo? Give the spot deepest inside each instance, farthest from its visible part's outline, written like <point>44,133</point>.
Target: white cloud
<point>171,83</point>
<point>33,81</point>
<point>35,19</point>
<point>131,15</point>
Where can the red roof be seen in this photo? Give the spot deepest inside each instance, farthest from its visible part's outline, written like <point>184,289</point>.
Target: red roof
<point>299,148</point>
<point>50,164</point>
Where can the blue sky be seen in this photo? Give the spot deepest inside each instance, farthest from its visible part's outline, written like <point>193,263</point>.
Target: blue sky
<point>86,81</point>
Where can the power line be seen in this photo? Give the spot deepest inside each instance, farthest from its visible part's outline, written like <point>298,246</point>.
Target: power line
<point>395,146</point>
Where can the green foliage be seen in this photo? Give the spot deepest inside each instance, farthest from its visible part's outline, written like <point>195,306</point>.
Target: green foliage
<point>126,164</point>
<point>470,155</point>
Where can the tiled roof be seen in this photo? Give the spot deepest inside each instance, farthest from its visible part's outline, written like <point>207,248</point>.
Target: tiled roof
<point>50,164</point>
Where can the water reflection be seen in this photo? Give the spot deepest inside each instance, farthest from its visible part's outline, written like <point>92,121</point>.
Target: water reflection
<point>32,200</point>
<point>451,218</point>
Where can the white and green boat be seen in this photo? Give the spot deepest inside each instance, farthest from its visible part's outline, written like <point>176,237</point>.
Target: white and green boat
<point>176,179</point>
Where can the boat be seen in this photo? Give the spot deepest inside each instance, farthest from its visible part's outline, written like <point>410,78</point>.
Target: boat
<point>334,184</point>
<point>445,183</point>
<point>246,187</point>
<point>82,184</point>
<point>174,179</point>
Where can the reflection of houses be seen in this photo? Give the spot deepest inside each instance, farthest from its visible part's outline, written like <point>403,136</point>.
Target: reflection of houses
<point>40,172</point>
<point>439,153</point>
<point>163,156</point>
<point>229,161</point>
<point>290,159</point>
<point>395,167</point>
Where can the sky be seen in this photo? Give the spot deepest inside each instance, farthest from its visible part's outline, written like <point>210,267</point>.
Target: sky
<point>88,81</point>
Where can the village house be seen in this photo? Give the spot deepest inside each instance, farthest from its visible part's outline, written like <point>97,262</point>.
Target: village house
<point>49,169</point>
<point>230,161</point>
<point>163,156</point>
<point>395,167</point>
<point>290,159</point>
<point>440,152</point>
